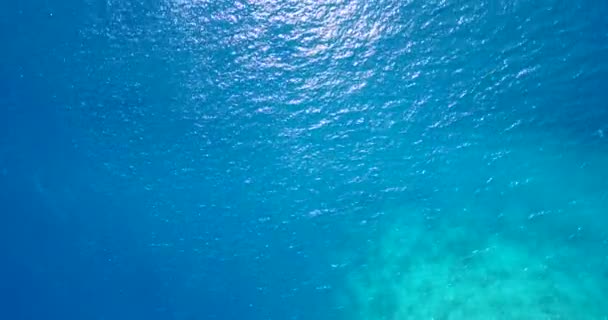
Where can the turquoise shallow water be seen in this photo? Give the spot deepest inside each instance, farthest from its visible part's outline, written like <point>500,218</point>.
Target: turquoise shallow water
<point>303,160</point>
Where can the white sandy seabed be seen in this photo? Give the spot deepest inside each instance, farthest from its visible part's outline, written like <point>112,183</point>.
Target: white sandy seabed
<point>535,250</point>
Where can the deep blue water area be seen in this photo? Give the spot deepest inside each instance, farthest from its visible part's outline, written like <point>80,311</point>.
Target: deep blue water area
<point>193,159</point>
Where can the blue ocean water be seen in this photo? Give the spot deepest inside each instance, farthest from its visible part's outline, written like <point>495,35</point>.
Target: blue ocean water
<point>193,159</point>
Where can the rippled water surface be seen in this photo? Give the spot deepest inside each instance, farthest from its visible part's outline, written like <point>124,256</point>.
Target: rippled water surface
<point>193,159</point>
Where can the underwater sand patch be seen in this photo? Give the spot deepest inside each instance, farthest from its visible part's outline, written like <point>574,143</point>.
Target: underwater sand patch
<point>417,274</point>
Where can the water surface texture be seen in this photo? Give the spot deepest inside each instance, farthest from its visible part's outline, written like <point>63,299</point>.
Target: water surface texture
<point>299,159</point>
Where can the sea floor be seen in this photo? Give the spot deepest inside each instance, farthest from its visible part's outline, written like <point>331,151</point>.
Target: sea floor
<point>516,248</point>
